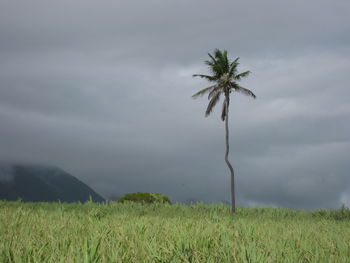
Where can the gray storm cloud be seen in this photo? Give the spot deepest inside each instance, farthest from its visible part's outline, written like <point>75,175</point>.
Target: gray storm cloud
<point>103,90</point>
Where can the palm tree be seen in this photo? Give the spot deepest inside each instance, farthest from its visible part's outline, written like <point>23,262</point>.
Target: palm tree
<point>224,77</point>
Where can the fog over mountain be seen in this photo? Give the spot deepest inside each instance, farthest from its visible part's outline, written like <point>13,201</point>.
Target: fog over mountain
<point>34,183</point>
<point>6,175</point>
<point>103,90</point>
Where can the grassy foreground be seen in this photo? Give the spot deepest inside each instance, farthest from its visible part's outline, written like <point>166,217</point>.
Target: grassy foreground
<point>130,232</point>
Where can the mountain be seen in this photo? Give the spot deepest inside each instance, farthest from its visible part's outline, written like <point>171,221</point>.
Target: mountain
<point>34,183</point>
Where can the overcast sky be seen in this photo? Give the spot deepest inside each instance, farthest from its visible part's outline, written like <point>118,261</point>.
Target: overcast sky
<point>103,90</point>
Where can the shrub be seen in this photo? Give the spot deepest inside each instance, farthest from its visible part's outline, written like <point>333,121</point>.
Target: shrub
<point>343,213</point>
<point>145,198</point>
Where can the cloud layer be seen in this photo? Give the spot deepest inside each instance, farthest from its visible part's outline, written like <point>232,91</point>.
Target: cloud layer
<point>103,90</point>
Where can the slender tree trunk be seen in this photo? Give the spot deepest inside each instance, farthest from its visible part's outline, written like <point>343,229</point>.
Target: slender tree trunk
<point>233,202</point>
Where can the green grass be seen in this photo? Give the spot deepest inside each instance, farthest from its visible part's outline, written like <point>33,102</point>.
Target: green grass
<point>131,232</point>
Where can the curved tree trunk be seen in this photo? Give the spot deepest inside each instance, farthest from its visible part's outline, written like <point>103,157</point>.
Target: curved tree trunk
<point>233,202</point>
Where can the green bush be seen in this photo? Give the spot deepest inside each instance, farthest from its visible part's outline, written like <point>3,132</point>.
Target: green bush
<point>145,198</point>
<point>343,213</point>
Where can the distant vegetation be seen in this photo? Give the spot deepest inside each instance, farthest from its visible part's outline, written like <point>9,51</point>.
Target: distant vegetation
<point>134,232</point>
<point>147,198</point>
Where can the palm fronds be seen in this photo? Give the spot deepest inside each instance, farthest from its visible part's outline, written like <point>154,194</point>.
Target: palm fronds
<point>224,73</point>
<point>223,112</point>
<point>233,67</point>
<point>215,98</point>
<point>213,91</point>
<point>242,75</point>
<point>242,90</point>
<point>207,77</point>
<point>203,91</point>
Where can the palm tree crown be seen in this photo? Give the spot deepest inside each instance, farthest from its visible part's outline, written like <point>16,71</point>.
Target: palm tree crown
<point>225,77</point>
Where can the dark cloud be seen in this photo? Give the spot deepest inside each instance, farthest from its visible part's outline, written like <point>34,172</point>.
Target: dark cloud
<point>103,90</point>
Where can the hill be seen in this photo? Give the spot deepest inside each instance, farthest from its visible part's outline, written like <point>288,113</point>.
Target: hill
<point>33,183</point>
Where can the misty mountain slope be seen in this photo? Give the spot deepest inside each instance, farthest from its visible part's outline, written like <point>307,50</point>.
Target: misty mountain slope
<point>34,183</point>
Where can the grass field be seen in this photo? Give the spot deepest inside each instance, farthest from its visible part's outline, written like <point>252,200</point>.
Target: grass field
<point>114,232</point>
